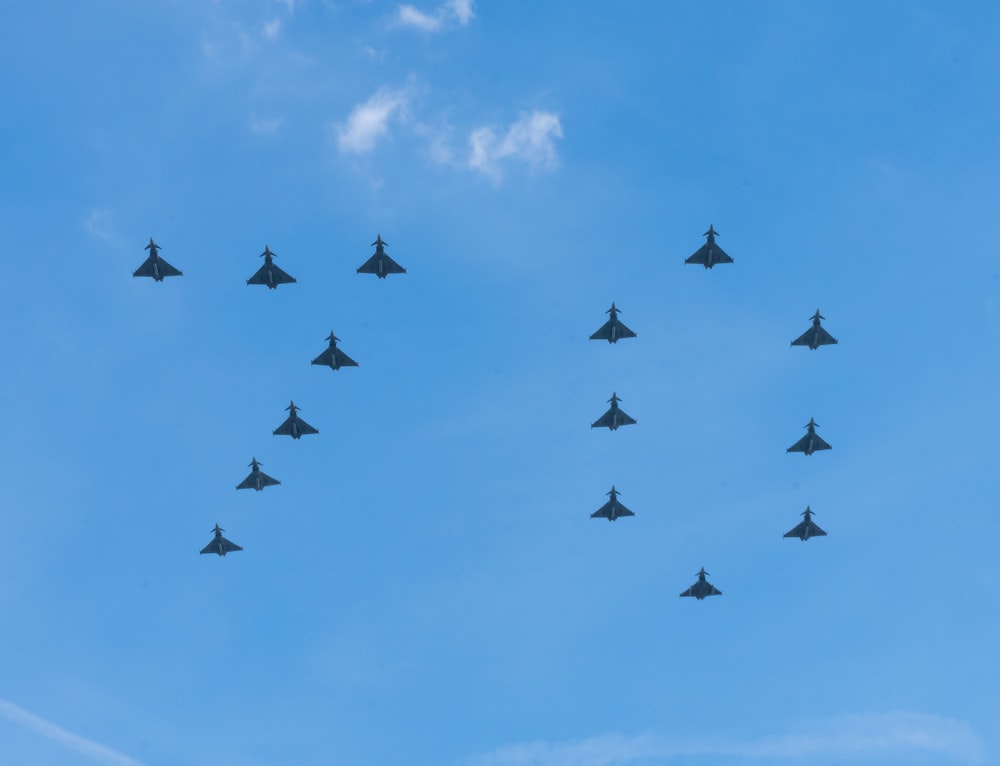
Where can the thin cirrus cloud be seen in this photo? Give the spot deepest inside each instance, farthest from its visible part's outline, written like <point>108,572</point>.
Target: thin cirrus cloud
<point>881,735</point>
<point>530,140</point>
<point>369,121</point>
<point>452,10</point>
<point>94,750</point>
<point>98,224</point>
<point>272,29</point>
<point>266,126</point>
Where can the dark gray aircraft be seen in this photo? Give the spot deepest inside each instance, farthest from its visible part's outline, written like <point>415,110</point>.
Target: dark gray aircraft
<point>220,545</point>
<point>269,274</point>
<point>612,330</point>
<point>155,266</point>
<point>612,509</point>
<point>380,264</point>
<point>294,426</point>
<point>815,336</point>
<point>702,588</point>
<point>807,528</point>
<point>333,357</point>
<point>811,442</point>
<point>614,417</point>
<point>257,479</point>
<point>710,253</point>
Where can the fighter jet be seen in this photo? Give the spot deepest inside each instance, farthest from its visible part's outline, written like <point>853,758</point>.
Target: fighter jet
<point>614,417</point>
<point>612,330</point>
<point>815,336</point>
<point>809,443</point>
<point>155,266</point>
<point>612,509</point>
<point>333,357</point>
<point>257,479</point>
<point>807,528</point>
<point>294,426</point>
<point>269,274</point>
<point>220,545</point>
<point>702,588</point>
<point>380,264</point>
<point>710,253</point>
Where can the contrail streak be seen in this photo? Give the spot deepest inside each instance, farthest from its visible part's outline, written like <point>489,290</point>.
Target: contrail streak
<point>69,740</point>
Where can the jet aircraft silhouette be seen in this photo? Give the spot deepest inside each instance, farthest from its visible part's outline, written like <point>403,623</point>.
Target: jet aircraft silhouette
<point>613,329</point>
<point>269,274</point>
<point>155,266</point>
<point>612,509</point>
<point>709,254</point>
<point>380,264</point>
<point>806,529</point>
<point>702,588</point>
<point>257,479</point>
<point>614,417</point>
<point>294,426</point>
<point>811,442</point>
<point>220,545</point>
<point>333,357</point>
<point>815,336</point>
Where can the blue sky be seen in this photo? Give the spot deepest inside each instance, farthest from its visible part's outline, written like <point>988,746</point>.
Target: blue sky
<point>426,585</point>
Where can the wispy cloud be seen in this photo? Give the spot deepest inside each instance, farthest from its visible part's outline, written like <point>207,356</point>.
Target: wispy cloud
<point>369,121</point>
<point>462,10</point>
<point>93,750</point>
<point>265,126</point>
<point>450,11</point>
<point>878,735</point>
<point>272,29</point>
<point>409,16</point>
<point>530,140</point>
<point>98,224</point>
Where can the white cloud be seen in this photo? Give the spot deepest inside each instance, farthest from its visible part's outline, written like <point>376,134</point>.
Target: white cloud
<point>369,121</point>
<point>880,735</point>
<point>93,750</point>
<point>450,10</point>
<point>410,17</point>
<point>462,10</point>
<point>529,140</point>
<point>272,29</point>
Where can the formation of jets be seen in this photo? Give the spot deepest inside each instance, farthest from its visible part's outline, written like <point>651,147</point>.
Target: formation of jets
<point>271,276</point>
<point>380,264</point>
<point>708,255</point>
<point>613,330</point>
